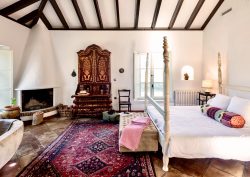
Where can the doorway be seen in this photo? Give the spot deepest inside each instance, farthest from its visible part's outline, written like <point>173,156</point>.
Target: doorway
<point>6,76</point>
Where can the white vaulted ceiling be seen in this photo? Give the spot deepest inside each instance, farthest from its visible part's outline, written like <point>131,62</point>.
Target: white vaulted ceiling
<point>166,12</point>
<point>112,14</point>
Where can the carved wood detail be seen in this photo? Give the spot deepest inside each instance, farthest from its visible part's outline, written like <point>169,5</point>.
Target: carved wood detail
<point>94,78</point>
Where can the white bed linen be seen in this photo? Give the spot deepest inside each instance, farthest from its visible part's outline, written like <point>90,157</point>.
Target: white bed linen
<point>193,135</point>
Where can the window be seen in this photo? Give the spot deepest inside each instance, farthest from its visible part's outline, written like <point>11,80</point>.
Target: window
<point>155,78</point>
<point>6,76</point>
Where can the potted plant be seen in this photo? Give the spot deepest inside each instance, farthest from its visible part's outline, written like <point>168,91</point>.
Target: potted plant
<point>12,111</point>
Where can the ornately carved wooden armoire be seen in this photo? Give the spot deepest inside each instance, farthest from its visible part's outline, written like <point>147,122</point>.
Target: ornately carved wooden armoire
<point>92,95</point>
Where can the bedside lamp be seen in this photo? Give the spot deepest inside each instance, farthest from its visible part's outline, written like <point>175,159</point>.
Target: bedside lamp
<point>207,85</point>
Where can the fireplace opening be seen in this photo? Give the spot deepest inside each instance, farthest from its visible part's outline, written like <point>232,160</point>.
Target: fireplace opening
<point>37,99</point>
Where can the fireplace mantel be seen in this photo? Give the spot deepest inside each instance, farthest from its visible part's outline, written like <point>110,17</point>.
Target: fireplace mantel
<point>36,88</point>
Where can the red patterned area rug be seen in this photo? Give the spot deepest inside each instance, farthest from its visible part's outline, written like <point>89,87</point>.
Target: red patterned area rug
<point>89,149</point>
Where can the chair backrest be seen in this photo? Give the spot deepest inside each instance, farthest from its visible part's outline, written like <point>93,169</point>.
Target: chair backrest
<point>124,95</point>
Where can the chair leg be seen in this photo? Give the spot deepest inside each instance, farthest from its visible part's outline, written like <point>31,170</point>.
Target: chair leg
<point>119,108</point>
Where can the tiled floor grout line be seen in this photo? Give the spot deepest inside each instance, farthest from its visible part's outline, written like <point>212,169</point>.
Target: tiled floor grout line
<point>223,171</point>
<point>207,168</point>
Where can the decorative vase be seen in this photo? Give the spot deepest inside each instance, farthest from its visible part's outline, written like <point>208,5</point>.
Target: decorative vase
<point>11,112</point>
<point>73,74</point>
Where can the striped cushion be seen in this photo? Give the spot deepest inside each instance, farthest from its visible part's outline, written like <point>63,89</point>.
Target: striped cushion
<point>231,119</point>
<point>204,108</point>
<point>226,118</point>
<point>212,111</point>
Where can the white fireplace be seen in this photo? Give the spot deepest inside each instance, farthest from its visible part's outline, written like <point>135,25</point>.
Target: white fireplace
<point>39,99</point>
<point>36,99</point>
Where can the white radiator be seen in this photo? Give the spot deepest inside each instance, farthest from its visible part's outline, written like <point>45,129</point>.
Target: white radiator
<point>186,97</point>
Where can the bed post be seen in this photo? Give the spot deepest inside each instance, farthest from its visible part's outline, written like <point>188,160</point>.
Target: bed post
<point>146,84</point>
<point>166,103</point>
<point>219,74</point>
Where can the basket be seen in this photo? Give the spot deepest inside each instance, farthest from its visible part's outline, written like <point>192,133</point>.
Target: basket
<point>64,110</point>
<point>37,118</point>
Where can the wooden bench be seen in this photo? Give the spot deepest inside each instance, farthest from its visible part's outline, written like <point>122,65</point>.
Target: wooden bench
<point>149,139</point>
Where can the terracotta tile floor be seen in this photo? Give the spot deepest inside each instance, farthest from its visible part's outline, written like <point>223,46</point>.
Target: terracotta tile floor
<point>36,138</point>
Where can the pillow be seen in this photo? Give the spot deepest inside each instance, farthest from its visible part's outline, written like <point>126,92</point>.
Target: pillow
<point>226,118</point>
<point>204,108</point>
<point>110,117</point>
<point>231,119</point>
<point>211,112</point>
<point>240,106</point>
<point>220,101</point>
<point>209,101</point>
<point>215,113</point>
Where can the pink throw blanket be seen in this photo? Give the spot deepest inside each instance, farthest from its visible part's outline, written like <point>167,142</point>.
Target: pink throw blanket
<point>131,134</point>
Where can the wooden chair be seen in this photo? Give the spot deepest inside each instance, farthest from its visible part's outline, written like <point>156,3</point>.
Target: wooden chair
<point>124,99</point>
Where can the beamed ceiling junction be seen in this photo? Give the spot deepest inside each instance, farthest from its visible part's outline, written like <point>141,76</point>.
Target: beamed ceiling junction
<point>112,14</point>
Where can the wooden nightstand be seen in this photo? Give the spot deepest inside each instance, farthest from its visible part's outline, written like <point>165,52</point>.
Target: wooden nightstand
<point>204,96</point>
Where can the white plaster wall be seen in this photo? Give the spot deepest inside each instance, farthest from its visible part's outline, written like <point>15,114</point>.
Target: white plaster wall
<point>15,37</point>
<point>186,48</point>
<point>230,35</point>
<point>39,67</point>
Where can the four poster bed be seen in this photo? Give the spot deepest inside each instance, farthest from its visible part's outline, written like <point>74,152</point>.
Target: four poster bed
<point>185,132</point>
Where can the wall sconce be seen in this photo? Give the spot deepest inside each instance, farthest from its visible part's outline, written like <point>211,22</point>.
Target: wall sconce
<point>187,73</point>
<point>207,85</point>
<point>121,70</point>
<point>73,74</point>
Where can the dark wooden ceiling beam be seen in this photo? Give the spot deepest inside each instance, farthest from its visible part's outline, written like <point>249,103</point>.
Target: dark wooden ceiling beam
<point>40,11</point>
<point>156,13</point>
<point>28,17</point>
<point>46,21</point>
<point>117,13</point>
<point>212,14</point>
<point>59,13</point>
<point>98,13</point>
<point>137,13</point>
<point>175,14</point>
<point>79,13</point>
<point>16,7</point>
<point>194,13</point>
<point>128,29</point>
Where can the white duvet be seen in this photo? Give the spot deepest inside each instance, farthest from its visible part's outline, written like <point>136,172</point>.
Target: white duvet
<point>193,135</point>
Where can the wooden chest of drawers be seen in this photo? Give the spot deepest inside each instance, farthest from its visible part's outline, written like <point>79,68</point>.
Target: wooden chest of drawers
<point>91,105</point>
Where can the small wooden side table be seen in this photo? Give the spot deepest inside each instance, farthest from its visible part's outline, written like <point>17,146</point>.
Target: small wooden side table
<point>204,96</point>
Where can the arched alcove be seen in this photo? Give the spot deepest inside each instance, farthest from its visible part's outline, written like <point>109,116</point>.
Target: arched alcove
<point>187,73</point>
